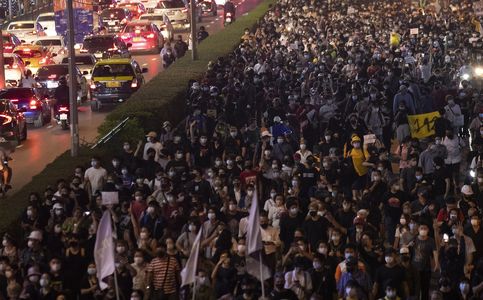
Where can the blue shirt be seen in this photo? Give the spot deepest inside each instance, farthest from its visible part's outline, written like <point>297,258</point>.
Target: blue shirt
<point>362,278</point>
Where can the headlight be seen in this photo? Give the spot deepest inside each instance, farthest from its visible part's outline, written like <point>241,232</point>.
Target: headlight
<point>479,71</point>
<point>465,76</point>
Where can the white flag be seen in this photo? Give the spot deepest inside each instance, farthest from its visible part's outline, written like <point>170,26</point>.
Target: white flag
<point>188,274</point>
<point>104,250</point>
<point>254,246</point>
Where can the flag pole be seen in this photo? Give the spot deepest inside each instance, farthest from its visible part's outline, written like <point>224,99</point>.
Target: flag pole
<point>261,274</point>
<point>194,290</point>
<point>116,286</point>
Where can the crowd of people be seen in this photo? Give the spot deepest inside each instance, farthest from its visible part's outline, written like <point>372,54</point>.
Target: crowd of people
<point>308,117</point>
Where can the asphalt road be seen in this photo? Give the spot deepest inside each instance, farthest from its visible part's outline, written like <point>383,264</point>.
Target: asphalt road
<point>44,144</point>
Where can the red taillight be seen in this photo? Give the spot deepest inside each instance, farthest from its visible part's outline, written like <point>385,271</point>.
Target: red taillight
<point>150,36</point>
<point>33,104</point>
<point>43,61</point>
<point>63,109</point>
<point>137,31</point>
<point>14,100</point>
<point>53,76</point>
<point>125,36</point>
<point>7,119</point>
<point>8,47</point>
<point>112,49</point>
<point>93,86</point>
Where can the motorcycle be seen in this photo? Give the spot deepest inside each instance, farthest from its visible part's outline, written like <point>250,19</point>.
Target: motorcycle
<point>62,117</point>
<point>228,18</point>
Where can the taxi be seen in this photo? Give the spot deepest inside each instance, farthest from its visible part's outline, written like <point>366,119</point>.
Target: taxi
<point>34,56</point>
<point>114,80</point>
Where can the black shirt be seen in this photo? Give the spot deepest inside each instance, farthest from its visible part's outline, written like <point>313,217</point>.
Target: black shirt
<point>315,231</point>
<point>283,295</point>
<point>384,274</point>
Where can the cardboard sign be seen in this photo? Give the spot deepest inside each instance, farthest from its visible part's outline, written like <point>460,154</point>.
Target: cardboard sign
<point>422,125</point>
<point>110,198</point>
<point>478,8</point>
<point>369,139</point>
<point>414,31</point>
<point>351,10</point>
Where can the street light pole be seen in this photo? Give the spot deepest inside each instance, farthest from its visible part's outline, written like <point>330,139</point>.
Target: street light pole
<point>194,40</point>
<point>2,67</point>
<point>74,129</point>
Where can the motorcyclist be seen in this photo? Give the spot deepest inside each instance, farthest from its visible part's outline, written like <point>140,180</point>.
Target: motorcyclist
<point>229,8</point>
<point>6,149</point>
<point>61,94</point>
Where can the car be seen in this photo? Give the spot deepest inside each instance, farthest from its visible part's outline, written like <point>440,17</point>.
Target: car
<point>143,36</point>
<point>13,126</point>
<point>99,5</point>
<point>47,21</point>
<point>14,69</point>
<point>114,80</point>
<point>34,56</point>
<point>176,11</point>
<point>47,80</point>
<point>209,7</point>
<point>26,31</point>
<point>10,41</point>
<point>105,46</point>
<point>54,44</point>
<point>114,19</point>
<point>162,22</point>
<point>85,62</point>
<point>36,110</point>
<point>136,9</point>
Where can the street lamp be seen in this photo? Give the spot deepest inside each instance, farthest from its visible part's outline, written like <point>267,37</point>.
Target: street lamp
<point>74,129</point>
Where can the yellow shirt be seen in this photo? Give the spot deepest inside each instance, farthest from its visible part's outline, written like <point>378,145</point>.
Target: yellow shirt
<point>358,157</point>
<point>395,39</point>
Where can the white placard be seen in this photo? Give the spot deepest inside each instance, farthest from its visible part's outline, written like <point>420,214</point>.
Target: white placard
<point>110,198</point>
<point>369,139</point>
<point>414,31</point>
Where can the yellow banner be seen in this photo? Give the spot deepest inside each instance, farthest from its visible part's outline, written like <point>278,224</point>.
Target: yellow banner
<point>422,125</point>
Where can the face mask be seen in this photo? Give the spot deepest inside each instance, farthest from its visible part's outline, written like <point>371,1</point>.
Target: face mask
<point>303,146</point>
<point>316,265</point>
<point>144,235</point>
<point>8,274</point>
<point>335,238</point>
<point>322,250</point>
<point>294,210</point>
<point>391,294</point>
<point>91,271</point>
<point>474,222</point>
<point>464,288</point>
<point>179,155</point>
<point>357,145</point>
<point>4,243</point>
<point>34,278</point>
<point>272,195</point>
<point>211,216</point>
<point>30,244</point>
<point>150,210</point>
<point>423,233</point>
<point>170,199</point>
<point>138,198</point>
<point>250,193</point>
<point>241,248</point>
<point>29,213</point>
<point>44,282</point>
<point>347,255</point>
<point>124,171</point>
<point>480,179</point>
<point>232,207</point>
<point>191,227</point>
<point>203,141</point>
<point>233,134</point>
<point>120,249</point>
<point>389,259</point>
<point>126,147</point>
<point>295,183</point>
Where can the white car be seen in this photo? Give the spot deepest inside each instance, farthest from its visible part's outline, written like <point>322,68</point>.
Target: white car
<point>85,62</point>
<point>26,31</point>
<point>47,21</point>
<point>175,9</point>
<point>54,44</point>
<point>14,69</point>
<point>162,22</point>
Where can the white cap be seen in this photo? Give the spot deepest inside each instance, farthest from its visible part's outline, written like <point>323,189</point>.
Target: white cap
<point>35,235</point>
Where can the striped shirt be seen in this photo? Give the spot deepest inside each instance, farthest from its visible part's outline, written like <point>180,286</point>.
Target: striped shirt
<point>164,272</point>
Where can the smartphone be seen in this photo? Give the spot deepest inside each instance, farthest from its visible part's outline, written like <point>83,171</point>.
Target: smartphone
<point>445,238</point>
<point>87,213</point>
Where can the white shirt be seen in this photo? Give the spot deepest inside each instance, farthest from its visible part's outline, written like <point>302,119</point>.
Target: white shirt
<point>96,177</point>
<point>304,280</point>
<point>156,146</point>
<point>28,82</point>
<point>454,150</point>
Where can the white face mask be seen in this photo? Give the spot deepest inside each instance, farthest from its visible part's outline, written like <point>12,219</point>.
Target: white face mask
<point>232,207</point>
<point>44,282</point>
<point>241,248</point>
<point>322,250</point>
<point>272,195</point>
<point>303,146</point>
<point>250,193</point>
<point>211,216</point>
<point>423,232</point>
<point>389,259</point>
<point>191,227</point>
<point>294,210</point>
<point>91,271</point>
<point>150,210</point>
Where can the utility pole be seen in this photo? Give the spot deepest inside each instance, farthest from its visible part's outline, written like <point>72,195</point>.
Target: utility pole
<point>10,16</point>
<point>2,67</point>
<point>194,40</point>
<point>74,129</point>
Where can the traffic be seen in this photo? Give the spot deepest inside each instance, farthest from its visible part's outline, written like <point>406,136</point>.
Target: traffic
<point>107,68</point>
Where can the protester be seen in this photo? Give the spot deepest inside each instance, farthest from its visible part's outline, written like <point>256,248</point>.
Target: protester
<point>316,117</point>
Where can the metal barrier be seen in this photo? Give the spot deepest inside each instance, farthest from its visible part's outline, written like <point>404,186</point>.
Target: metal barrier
<point>111,133</point>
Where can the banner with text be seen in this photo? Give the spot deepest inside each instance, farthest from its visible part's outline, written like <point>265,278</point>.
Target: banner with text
<point>422,125</point>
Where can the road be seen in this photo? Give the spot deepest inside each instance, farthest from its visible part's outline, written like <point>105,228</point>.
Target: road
<point>44,144</point>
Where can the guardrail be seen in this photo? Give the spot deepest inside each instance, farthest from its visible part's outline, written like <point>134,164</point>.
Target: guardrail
<point>111,133</point>
<point>32,13</point>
